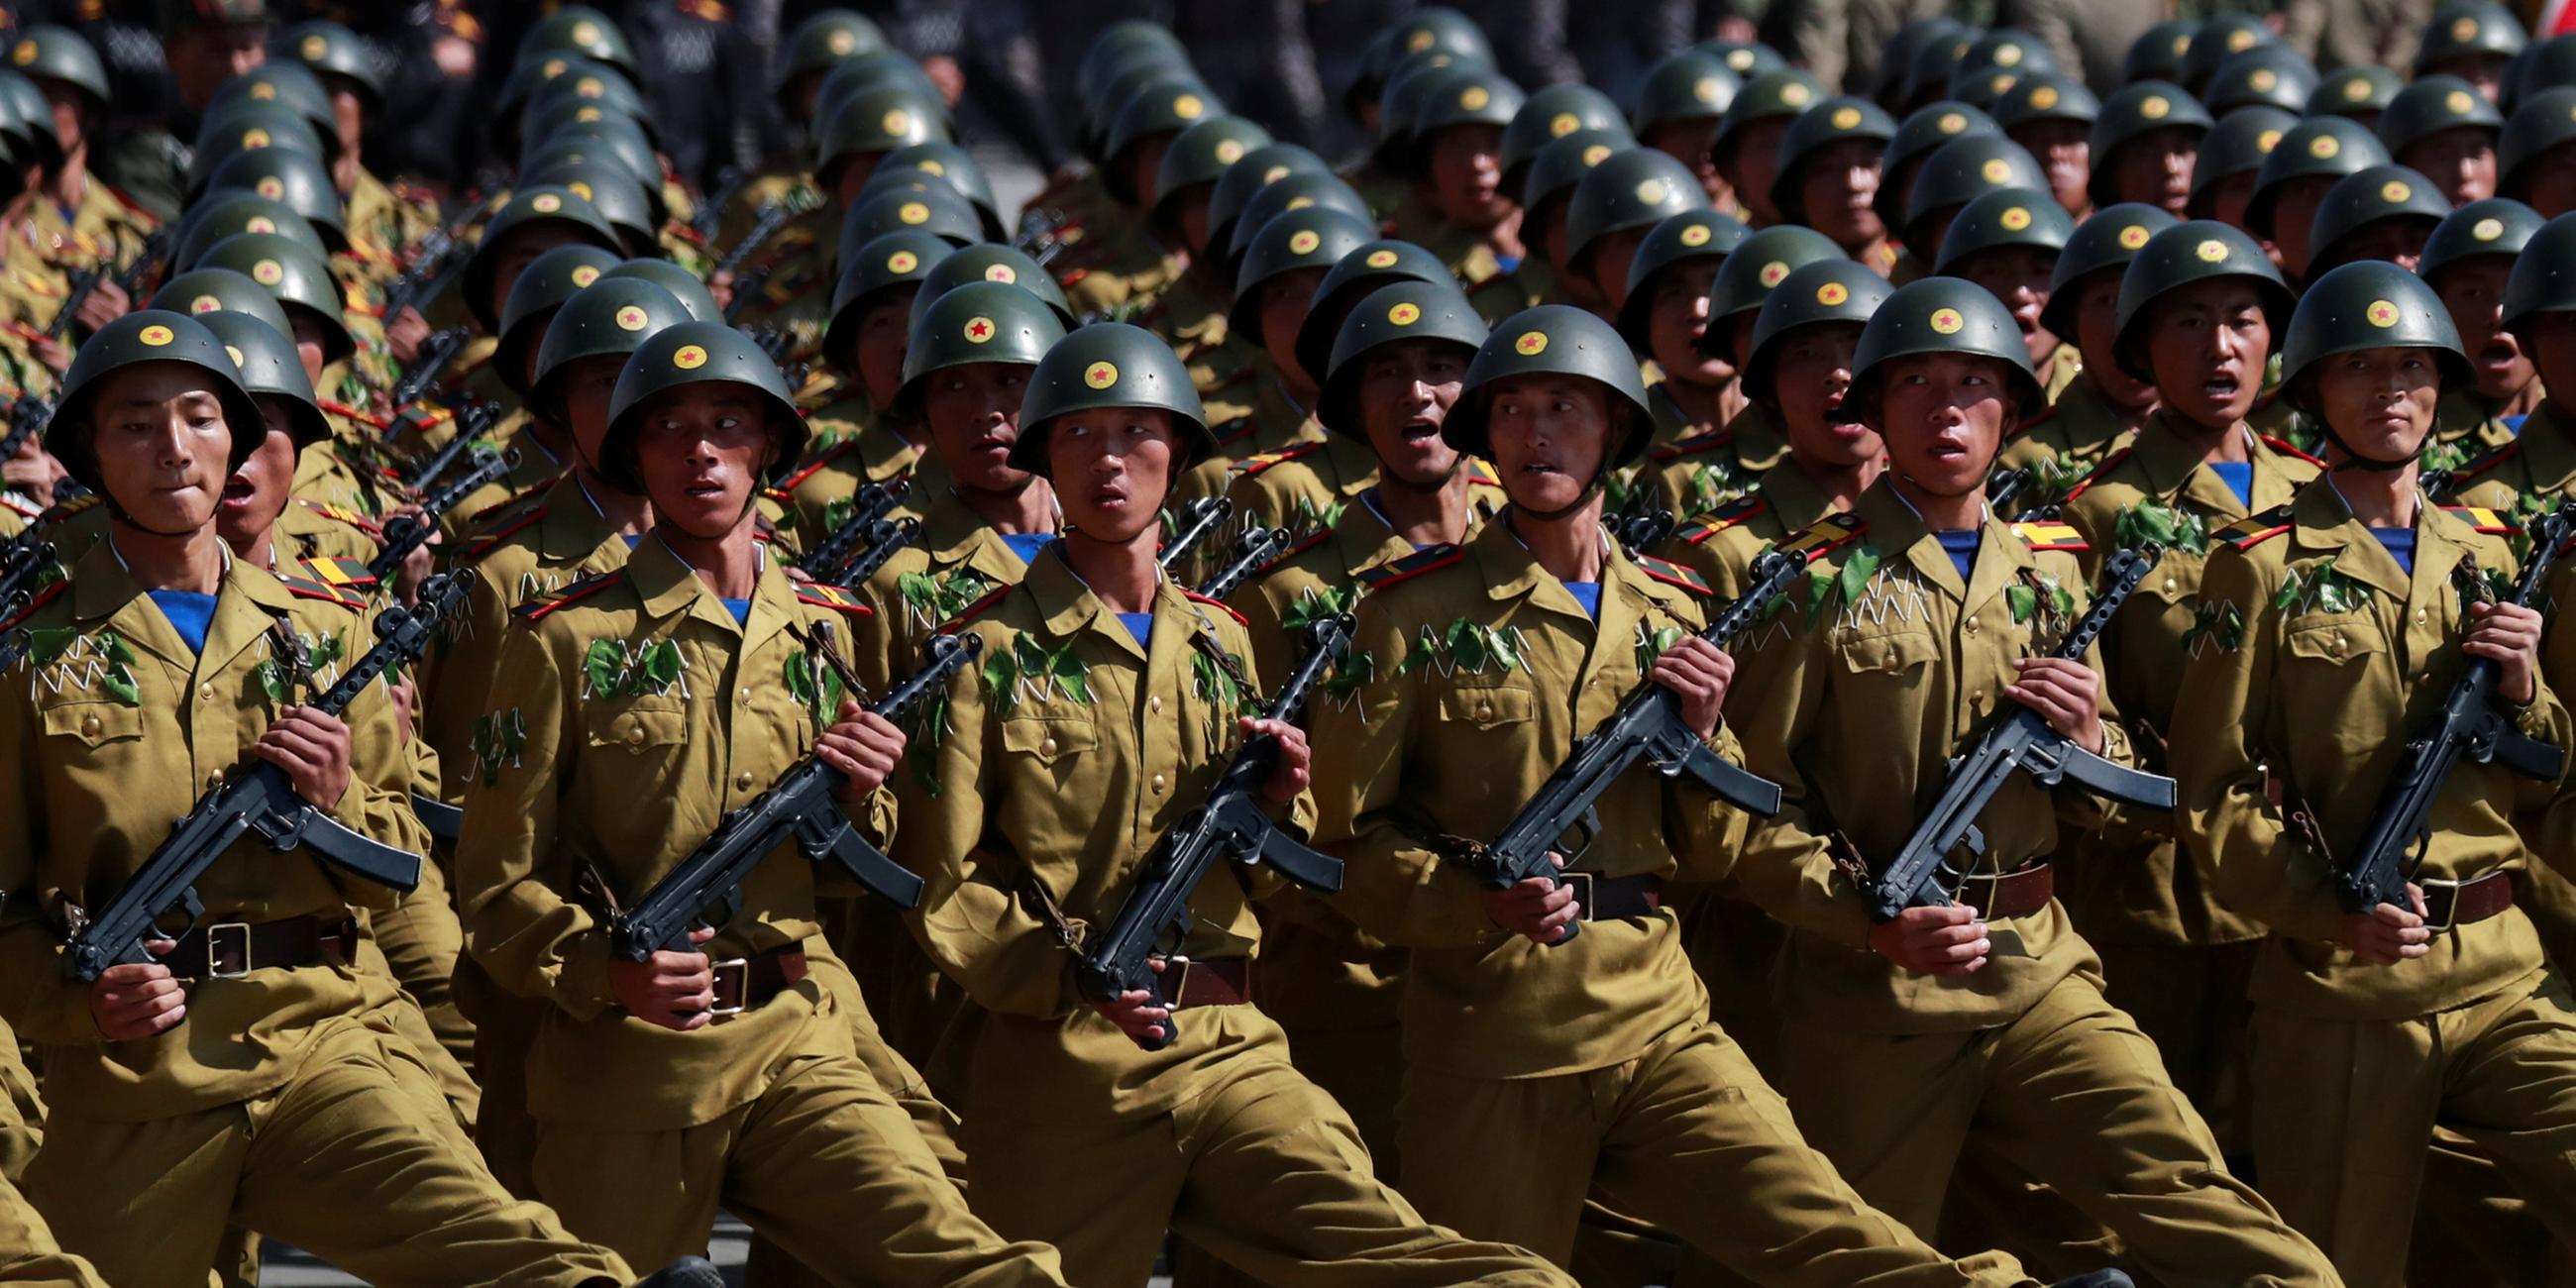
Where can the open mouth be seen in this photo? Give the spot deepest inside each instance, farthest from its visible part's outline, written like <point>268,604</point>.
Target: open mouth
<point>705,489</point>
<point>2499,353</point>
<point>2222,387</point>
<point>237,493</point>
<point>1421,430</point>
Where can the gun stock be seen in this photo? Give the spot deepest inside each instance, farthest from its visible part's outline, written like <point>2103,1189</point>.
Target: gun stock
<point>405,533</point>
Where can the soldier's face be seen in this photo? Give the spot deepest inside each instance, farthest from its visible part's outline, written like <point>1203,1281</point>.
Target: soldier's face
<point>2097,329</point>
<point>2206,345</point>
<point>2017,275</point>
<point>1143,162</point>
<point>1811,381</point>
<point>885,336</point>
<point>1549,220</point>
<point>520,248</point>
<point>701,449</point>
<point>2551,339</point>
<point>1677,316</point>
<point>1753,161</point>
<point>1404,395</point>
<point>1111,467</point>
<point>2379,401</point>
<point>2065,153</point>
<point>162,446</point>
<point>1687,141</point>
<point>1550,434</point>
<point>311,341</point>
<point>1285,300</point>
<point>2294,216</point>
<point>588,384</point>
<point>974,415</point>
<point>1467,175</point>
<point>2550,182</point>
<point>2398,241</point>
<point>1610,255</point>
<point>2155,167</point>
<point>348,112</point>
<point>203,57</point>
<point>2472,290</point>
<point>71,112</point>
<point>2485,71</point>
<point>257,492</point>
<point>1838,184</point>
<point>1943,416</point>
<point>2461,161</point>
<point>2228,197</point>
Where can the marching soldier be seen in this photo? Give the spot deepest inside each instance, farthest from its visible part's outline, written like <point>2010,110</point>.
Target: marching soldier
<point>2230,161</point>
<point>1697,475</point>
<point>2384,212</point>
<point>2443,128</point>
<point>2051,116</point>
<point>2103,404</point>
<point>101,228</point>
<point>1746,150</point>
<point>2008,242</point>
<point>864,347</point>
<point>2142,146</point>
<point>2534,154</point>
<point>1665,320</point>
<point>2468,261</point>
<point>2302,168</point>
<point>1828,176</point>
<point>1456,152</point>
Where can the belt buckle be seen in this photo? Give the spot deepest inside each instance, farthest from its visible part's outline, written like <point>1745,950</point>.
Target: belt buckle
<point>732,980</point>
<point>1176,980</point>
<point>2448,893</point>
<point>228,941</point>
<point>1581,883</point>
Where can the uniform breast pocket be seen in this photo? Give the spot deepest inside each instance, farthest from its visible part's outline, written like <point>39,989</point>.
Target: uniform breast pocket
<point>1049,742</point>
<point>94,724</point>
<point>2336,641</point>
<point>1890,654</point>
<point>637,730</point>
<point>1486,708</point>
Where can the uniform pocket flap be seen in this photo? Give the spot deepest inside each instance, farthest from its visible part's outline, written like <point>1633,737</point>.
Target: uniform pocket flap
<point>2335,641</point>
<point>636,729</point>
<point>1888,651</point>
<point>94,722</point>
<point>1487,708</point>
<point>1048,740</point>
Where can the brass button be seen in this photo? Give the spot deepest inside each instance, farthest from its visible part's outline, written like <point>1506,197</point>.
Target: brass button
<point>1154,703</point>
<point>1484,710</point>
<point>215,779</point>
<point>2169,585</point>
<point>1047,748</point>
<point>742,781</point>
<point>742,697</point>
<point>1972,626</point>
<point>1158,784</point>
<point>1891,658</point>
<point>89,726</point>
<point>2419,617</point>
<point>205,693</point>
<point>635,736</point>
<point>2340,641</point>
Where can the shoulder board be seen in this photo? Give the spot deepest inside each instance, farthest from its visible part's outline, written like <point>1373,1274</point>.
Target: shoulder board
<point>1410,566</point>
<point>823,596</point>
<point>43,597</point>
<point>18,507</point>
<point>2040,419</point>
<point>301,585</point>
<point>1072,277</point>
<point>1233,430</point>
<point>1311,541</point>
<point>2108,464</point>
<point>1811,542</point>
<point>536,609</point>
<point>1673,574</point>
<point>2487,462</point>
<point>810,468</point>
<point>2480,518</point>
<point>343,514</point>
<point>1197,598</point>
<point>534,494</point>
<point>2047,535</point>
<point>491,541</point>
<point>350,573</point>
<point>1252,465</point>
<point>2255,529</point>
<point>1478,471</point>
<point>62,510</point>
<point>2286,448</point>
<point>974,610</point>
<point>358,414</point>
<point>1726,516</point>
<point>1693,446</point>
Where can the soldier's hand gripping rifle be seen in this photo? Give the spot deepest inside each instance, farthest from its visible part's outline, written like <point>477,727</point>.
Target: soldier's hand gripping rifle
<point>1648,727</point>
<point>804,805</point>
<point>2019,741</point>
<point>261,800</point>
<point>2470,723</point>
<point>1251,554</point>
<point>831,558</point>
<point>1197,520</point>
<point>472,424</point>
<point>405,533</point>
<point>1232,824</point>
<point>431,362</point>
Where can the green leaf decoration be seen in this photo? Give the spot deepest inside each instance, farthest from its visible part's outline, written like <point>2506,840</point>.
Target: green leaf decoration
<point>1002,680</point>
<point>272,681</point>
<point>2214,625</point>
<point>815,685</point>
<point>114,647</point>
<point>1317,603</point>
<point>662,664</point>
<point>2447,456</point>
<point>836,512</point>
<point>1356,670</point>
<point>2023,601</point>
<point>2321,587</point>
<point>605,666</point>
<point>1425,650</point>
<point>1070,674</point>
<point>1470,650</point>
<point>49,643</point>
<point>2177,530</point>
<point>1857,569</point>
<point>498,737</point>
<point>1820,592</point>
<point>1652,643</point>
<point>1306,518</point>
<point>1715,483</point>
<point>325,651</point>
<point>120,685</point>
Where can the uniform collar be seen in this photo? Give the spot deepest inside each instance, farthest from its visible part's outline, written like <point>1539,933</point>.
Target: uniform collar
<point>1793,497</point>
<point>669,587</point>
<point>1512,572</point>
<point>247,602</point>
<point>2172,468</point>
<point>1066,607</point>
<point>2326,524</point>
<point>952,533</point>
<point>2548,442</point>
<point>1895,526</point>
<point>572,525</point>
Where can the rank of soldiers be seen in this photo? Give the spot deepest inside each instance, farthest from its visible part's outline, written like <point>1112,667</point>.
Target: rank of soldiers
<point>1953,685</point>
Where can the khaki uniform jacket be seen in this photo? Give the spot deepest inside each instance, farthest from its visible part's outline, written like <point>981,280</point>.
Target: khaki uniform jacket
<point>2323,678</point>
<point>1854,698</point>
<point>635,714</point>
<point>1304,488</point>
<point>1697,475</point>
<point>1118,269</point>
<point>308,530</point>
<point>2142,887</point>
<point>534,470</point>
<point>818,495</point>
<point>1275,424</point>
<point>2533,471</point>
<point>2059,369</point>
<point>953,562</point>
<point>1722,545</point>
<point>2465,428</point>
<point>384,223</point>
<point>2066,442</point>
<point>110,729</point>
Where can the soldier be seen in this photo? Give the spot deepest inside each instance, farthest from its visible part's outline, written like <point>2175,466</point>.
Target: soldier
<point>1828,176</point>
<point>1548,275</point>
<point>2383,212</point>
<point>864,346</point>
<point>2052,117</point>
<point>384,222</point>
<point>1122,265</point>
<point>1678,110</point>
<point>1457,138</point>
<point>2104,404</point>
<point>2474,41</point>
<point>1612,208</point>
<point>2268,75</point>
<point>2536,154</point>
<point>1918,136</point>
<point>1957,173</point>
<point>2231,159</point>
<point>340,473</point>
<point>1191,314</point>
<point>203,42</point>
<point>2361,93</point>
<point>2307,609</point>
<point>102,228</point>
<point>2538,468</point>
<point>2008,241</point>
<point>2302,168</point>
<point>1696,475</point>
<point>1746,150</point>
<point>2143,145</point>
<point>2468,261</point>
<point>2443,128</point>
<point>674,1056</point>
<point>1665,319</point>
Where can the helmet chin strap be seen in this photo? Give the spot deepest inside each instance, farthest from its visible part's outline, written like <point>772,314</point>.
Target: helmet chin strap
<point>2353,460</point>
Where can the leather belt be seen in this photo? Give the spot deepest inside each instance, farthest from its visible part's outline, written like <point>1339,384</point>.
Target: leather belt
<point>2018,893</point>
<point>1600,898</point>
<point>2462,903</point>
<point>1218,981</point>
<point>223,949</point>
<point>748,983</point>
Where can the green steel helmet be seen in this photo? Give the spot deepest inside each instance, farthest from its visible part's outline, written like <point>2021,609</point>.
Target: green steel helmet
<point>696,353</point>
<point>217,217</point>
<point>2007,217</point>
<point>1686,86</point>
<point>884,119</point>
<point>2158,52</point>
<point>1122,41</point>
<point>1690,235</point>
<point>1553,339</point>
<point>269,365</point>
<point>954,166</point>
<point>977,322</point>
<point>529,207</point>
<point>288,85</point>
<point>243,129</point>
<point>2237,146</point>
<point>1550,113</point>
<point>1826,291</point>
<point>2136,110</point>
<point>1408,88</point>
<point>30,138</point>
<point>2366,305</point>
<point>1466,96</point>
<point>201,291</point>
<point>824,39</point>
<point>1918,136</point>
<point>930,208</point>
<point>294,178</point>
<point>1562,163</point>
<point>300,279</point>
<point>2495,226</point>
<point>1983,87</point>
<point>2323,146</point>
<point>1772,97</point>
<point>1244,180</point>
<point>1200,154</point>
<point>548,281</point>
<point>611,317</point>
<point>684,286</point>
<point>1163,107</point>
<point>2469,29</point>
<point>148,335</point>
<point>607,186</point>
<point>1638,188</point>
<point>527,76</point>
<point>599,135</point>
<point>1927,73</point>
<point>1964,170</point>
<point>60,53</point>
<point>987,262</point>
<point>579,29</point>
<point>1758,265</point>
<point>1389,315</point>
<point>1831,121</point>
<point>329,49</point>
<point>2180,256</point>
<point>2432,104</point>
<point>1439,27</point>
<point>2264,76</point>
<point>876,69</point>
<point>1747,59</point>
<point>2540,123</point>
<point>1365,268</point>
<point>2366,197</point>
<point>2544,278</point>
<point>881,264</point>
<point>2009,49</point>
<point>1296,192</point>
<point>584,84</point>
<point>1110,364</point>
<point>2104,243</point>
<point>2047,96</point>
<point>1315,237</point>
<point>2351,91</point>
<point>2547,65</point>
<point>1907,44</point>
<point>1941,315</point>
<point>2221,37</point>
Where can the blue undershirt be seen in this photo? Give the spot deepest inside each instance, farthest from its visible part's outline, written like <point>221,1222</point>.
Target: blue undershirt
<point>2239,478</point>
<point>2514,423</point>
<point>2400,543</point>
<point>1962,549</point>
<point>740,608</point>
<point>1140,625</point>
<point>190,612</point>
<point>631,539</point>
<point>1027,544</point>
<point>1588,594</point>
